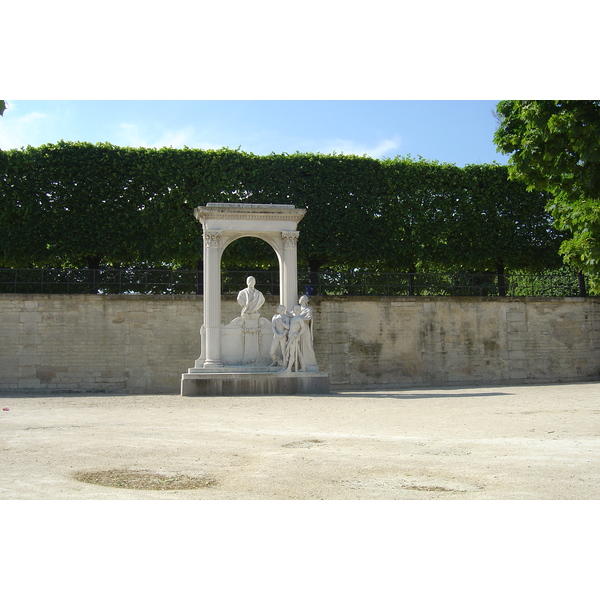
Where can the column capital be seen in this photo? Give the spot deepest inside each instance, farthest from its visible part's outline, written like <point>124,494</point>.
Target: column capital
<point>290,238</point>
<point>212,239</point>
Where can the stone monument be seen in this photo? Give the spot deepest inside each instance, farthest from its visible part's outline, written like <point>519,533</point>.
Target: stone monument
<point>254,354</point>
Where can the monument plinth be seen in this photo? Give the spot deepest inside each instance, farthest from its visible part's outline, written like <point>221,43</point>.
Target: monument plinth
<point>252,354</point>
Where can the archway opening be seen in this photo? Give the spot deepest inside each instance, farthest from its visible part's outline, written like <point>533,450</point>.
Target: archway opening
<point>249,255</point>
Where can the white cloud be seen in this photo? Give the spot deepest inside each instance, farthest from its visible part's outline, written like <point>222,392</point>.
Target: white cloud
<point>176,139</point>
<point>130,134</point>
<point>380,150</point>
<point>19,131</point>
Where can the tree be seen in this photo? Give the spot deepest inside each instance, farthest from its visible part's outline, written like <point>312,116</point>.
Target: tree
<point>498,224</point>
<point>22,213</point>
<point>2,107</point>
<point>342,195</point>
<point>81,205</point>
<point>553,146</point>
<point>73,205</point>
<point>417,206</point>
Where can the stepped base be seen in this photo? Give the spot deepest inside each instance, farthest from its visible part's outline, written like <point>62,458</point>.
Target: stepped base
<point>253,383</point>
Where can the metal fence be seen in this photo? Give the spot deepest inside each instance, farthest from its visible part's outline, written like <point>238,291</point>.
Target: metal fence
<point>560,283</point>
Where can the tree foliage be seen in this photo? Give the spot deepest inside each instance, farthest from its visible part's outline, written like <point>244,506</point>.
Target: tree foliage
<point>553,146</point>
<point>85,205</point>
<point>443,217</point>
<point>497,224</point>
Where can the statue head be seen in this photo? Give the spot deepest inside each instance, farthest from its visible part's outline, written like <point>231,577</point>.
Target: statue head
<point>303,300</point>
<point>251,282</point>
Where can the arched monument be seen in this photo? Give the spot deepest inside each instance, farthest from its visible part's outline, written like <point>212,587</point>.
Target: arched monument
<point>237,358</point>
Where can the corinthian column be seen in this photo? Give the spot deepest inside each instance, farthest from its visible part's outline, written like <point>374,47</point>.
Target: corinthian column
<point>212,298</point>
<point>288,273</point>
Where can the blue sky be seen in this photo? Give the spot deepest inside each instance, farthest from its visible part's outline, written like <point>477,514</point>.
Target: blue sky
<point>383,79</point>
<point>454,131</point>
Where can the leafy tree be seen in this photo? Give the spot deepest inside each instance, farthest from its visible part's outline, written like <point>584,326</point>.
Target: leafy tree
<point>74,205</point>
<point>169,186</point>
<point>418,203</point>
<point>498,224</point>
<point>22,213</point>
<point>342,195</point>
<point>2,107</point>
<point>84,205</point>
<point>473,219</point>
<point>553,146</point>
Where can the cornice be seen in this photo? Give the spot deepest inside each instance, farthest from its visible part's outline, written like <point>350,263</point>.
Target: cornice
<point>249,212</point>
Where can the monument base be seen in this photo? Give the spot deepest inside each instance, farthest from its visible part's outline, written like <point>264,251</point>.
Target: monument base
<point>231,383</point>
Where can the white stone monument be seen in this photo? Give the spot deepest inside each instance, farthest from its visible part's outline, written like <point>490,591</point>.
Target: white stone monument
<point>254,354</point>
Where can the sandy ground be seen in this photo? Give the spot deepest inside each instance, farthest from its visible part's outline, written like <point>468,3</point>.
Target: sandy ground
<point>483,443</point>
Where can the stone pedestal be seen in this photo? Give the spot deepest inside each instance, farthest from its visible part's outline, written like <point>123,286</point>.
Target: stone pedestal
<point>252,383</point>
<point>244,342</point>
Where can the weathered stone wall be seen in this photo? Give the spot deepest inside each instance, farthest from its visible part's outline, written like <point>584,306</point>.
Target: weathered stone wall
<point>146,342</point>
<point>429,341</point>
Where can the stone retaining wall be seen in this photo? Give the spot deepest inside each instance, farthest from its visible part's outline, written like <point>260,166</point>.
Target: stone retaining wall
<point>145,343</point>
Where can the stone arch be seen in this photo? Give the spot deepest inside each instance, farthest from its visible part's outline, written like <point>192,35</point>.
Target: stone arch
<point>270,249</point>
<point>222,224</point>
<point>257,236</point>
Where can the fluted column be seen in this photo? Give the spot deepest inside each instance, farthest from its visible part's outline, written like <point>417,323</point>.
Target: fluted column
<point>212,298</point>
<point>289,269</point>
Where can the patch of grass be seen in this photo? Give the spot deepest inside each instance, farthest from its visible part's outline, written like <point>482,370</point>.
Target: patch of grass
<point>302,444</point>
<point>429,488</point>
<point>143,480</point>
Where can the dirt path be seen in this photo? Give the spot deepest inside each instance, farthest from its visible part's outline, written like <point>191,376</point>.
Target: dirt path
<point>526,442</point>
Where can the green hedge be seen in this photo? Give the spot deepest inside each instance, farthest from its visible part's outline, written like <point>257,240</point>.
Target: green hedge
<point>86,205</point>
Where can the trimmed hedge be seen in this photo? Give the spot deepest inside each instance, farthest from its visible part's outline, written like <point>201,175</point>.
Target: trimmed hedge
<point>90,205</point>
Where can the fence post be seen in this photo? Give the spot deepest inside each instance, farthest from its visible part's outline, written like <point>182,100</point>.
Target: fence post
<point>581,283</point>
<point>501,279</point>
<point>93,289</point>
<point>411,284</point>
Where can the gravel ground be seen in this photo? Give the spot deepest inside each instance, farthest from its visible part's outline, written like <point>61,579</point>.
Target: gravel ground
<point>483,443</point>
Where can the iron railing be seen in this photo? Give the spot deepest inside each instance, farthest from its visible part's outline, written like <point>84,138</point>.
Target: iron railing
<point>559,283</point>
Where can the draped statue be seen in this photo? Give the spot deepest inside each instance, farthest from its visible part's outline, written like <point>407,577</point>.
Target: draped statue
<point>306,338</point>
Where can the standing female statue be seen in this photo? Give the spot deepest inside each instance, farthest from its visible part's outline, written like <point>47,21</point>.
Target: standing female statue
<point>306,338</point>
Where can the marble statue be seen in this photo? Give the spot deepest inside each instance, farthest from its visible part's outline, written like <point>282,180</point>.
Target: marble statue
<point>252,354</point>
<point>294,358</point>
<point>250,299</point>
<point>252,331</point>
<point>306,339</point>
<point>280,324</point>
